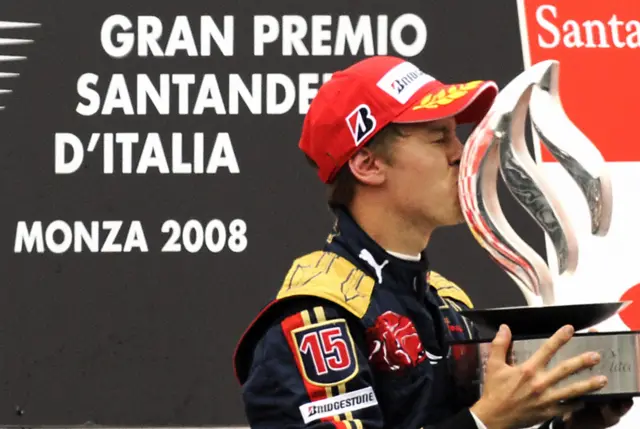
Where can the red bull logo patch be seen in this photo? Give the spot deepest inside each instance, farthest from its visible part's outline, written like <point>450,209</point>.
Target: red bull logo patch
<point>394,344</point>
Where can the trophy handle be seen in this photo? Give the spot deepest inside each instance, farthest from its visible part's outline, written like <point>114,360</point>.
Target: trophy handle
<point>572,149</point>
<point>498,143</point>
<point>484,216</point>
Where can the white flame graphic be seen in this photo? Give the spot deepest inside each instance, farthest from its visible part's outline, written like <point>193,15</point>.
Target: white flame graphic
<point>5,25</point>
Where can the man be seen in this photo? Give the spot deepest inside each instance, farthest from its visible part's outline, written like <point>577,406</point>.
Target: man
<point>358,334</point>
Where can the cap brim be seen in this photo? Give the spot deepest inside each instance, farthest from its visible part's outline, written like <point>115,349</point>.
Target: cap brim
<point>467,102</point>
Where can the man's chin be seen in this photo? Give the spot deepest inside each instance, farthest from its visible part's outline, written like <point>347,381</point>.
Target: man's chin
<point>459,216</point>
<point>454,220</point>
<point>457,222</point>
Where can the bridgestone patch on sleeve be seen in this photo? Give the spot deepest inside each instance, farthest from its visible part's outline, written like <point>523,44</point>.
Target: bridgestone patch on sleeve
<point>341,404</point>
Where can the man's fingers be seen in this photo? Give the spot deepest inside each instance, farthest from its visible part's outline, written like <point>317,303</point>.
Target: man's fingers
<point>500,346</point>
<point>566,368</point>
<point>623,406</point>
<point>609,415</point>
<point>549,348</point>
<point>626,407</point>
<point>574,390</point>
<point>619,407</point>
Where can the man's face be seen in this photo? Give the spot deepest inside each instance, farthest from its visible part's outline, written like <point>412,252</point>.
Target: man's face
<point>422,179</point>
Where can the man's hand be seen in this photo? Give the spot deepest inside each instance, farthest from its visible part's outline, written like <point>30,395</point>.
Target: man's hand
<point>598,415</point>
<point>523,396</point>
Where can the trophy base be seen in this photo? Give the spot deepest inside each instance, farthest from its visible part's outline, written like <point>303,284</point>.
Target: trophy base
<point>544,321</point>
<point>619,351</point>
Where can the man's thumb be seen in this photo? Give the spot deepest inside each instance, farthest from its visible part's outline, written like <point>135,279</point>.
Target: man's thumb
<point>500,344</point>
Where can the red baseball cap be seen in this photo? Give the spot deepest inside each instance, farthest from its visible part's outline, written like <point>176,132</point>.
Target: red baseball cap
<point>362,99</point>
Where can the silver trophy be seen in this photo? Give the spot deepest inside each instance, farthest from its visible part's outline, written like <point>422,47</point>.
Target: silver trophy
<point>499,144</point>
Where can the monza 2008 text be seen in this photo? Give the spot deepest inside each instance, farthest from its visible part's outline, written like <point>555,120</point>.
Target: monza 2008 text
<point>118,236</point>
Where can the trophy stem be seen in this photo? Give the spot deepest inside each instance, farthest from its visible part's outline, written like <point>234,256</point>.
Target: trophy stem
<point>532,299</point>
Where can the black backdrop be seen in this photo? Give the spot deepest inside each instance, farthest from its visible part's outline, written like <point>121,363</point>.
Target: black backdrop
<point>132,338</point>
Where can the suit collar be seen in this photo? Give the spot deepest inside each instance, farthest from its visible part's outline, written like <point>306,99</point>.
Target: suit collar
<point>349,240</point>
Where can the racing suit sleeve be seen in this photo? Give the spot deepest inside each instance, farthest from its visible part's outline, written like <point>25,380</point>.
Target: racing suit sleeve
<point>310,370</point>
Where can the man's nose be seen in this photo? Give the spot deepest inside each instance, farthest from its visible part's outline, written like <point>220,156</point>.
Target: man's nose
<point>457,148</point>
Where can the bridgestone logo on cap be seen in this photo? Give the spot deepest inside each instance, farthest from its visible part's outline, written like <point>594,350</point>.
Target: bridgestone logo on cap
<point>404,80</point>
<point>361,123</point>
<point>340,404</point>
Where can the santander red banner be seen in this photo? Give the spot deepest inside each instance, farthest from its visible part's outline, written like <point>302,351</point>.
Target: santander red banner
<point>598,46</point>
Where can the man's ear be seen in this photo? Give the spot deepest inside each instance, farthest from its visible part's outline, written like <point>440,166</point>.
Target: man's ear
<point>368,167</point>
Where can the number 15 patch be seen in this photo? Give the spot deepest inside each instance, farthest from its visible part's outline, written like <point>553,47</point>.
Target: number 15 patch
<point>326,352</point>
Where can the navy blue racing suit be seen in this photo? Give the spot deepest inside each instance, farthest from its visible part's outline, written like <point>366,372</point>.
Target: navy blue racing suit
<point>356,338</point>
